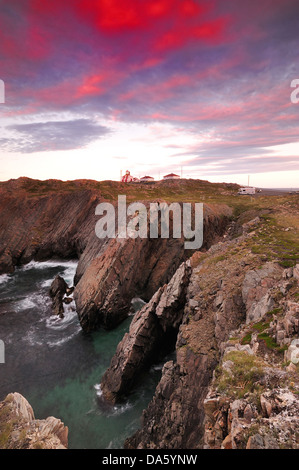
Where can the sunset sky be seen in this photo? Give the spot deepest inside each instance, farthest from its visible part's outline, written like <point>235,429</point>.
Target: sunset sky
<point>202,87</point>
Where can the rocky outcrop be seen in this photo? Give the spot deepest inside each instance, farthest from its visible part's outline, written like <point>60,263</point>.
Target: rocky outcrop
<point>152,334</point>
<point>20,430</point>
<point>57,292</point>
<point>257,288</point>
<point>126,268</point>
<point>40,225</point>
<point>264,419</point>
<point>227,323</point>
<point>46,219</point>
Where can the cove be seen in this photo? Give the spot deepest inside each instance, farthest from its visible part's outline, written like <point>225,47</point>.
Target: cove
<point>57,367</point>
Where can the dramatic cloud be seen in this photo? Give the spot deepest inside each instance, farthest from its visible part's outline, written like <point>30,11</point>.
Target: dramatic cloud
<point>218,71</point>
<point>54,135</point>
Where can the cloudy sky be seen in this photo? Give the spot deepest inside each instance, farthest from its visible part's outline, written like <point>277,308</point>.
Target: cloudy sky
<point>198,87</point>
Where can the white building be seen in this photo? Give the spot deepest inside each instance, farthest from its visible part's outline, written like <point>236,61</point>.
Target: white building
<point>146,179</point>
<point>171,176</point>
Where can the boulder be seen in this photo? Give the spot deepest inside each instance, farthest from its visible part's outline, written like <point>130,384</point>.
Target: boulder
<point>24,431</point>
<point>256,290</point>
<point>57,292</point>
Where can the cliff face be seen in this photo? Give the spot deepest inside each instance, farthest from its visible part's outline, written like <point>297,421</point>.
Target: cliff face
<point>231,313</point>
<point>54,224</point>
<point>234,382</point>
<point>20,430</point>
<point>152,334</point>
<point>41,220</point>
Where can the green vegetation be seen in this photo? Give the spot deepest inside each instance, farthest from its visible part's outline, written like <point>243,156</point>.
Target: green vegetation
<point>270,343</point>
<point>6,426</point>
<point>261,327</point>
<point>245,375</point>
<point>246,339</point>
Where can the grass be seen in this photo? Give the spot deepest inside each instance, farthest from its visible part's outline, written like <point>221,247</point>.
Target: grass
<point>270,343</point>
<point>6,427</point>
<point>246,375</point>
<point>273,242</point>
<point>246,339</point>
<point>261,328</point>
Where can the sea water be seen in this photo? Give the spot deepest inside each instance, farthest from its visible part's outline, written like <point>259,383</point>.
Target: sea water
<point>57,367</point>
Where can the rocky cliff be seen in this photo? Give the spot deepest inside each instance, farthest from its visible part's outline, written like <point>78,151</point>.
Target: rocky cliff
<point>230,313</point>
<point>126,268</point>
<point>234,381</point>
<point>47,219</point>
<point>20,430</point>
<point>40,221</point>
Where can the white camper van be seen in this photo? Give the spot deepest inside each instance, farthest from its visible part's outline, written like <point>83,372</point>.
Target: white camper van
<point>246,191</point>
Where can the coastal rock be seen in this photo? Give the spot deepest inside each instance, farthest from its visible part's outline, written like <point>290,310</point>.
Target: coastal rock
<point>152,334</point>
<point>20,430</point>
<point>57,292</point>
<point>128,267</point>
<point>256,290</point>
<point>285,327</point>
<point>42,220</point>
<point>125,268</point>
<point>292,354</point>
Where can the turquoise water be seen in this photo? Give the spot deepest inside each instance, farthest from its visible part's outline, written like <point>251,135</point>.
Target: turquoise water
<point>57,367</point>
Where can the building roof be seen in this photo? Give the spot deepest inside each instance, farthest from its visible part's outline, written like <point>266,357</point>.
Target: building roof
<point>170,174</point>
<point>146,177</point>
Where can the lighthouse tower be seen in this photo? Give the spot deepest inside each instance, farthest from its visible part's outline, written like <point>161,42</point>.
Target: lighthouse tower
<point>127,178</point>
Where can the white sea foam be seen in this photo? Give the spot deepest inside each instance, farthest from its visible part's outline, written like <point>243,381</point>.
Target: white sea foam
<point>59,342</point>
<point>4,278</point>
<point>32,338</point>
<point>54,322</point>
<point>113,410</point>
<point>24,304</point>
<point>98,389</point>
<point>49,264</point>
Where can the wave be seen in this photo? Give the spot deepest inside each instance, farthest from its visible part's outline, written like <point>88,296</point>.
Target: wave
<point>67,271</point>
<point>49,264</point>
<point>4,278</point>
<point>106,408</point>
<point>61,341</point>
<point>54,322</point>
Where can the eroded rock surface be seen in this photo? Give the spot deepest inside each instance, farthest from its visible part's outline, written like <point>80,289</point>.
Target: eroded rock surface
<point>20,430</point>
<point>152,334</point>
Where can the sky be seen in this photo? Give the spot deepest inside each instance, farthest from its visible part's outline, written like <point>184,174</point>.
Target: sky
<point>201,88</point>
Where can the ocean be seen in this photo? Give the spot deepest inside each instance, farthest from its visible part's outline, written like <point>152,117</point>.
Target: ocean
<point>57,367</point>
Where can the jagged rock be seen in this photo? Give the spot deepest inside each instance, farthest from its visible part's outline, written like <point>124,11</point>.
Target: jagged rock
<point>256,290</point>
<point>20,429</point>
<point>43,226</point>
<point>57,291</point>
<point>152,333</point>
<point>292,354</point>
<point>296,272</point>
<point>252,224</point>
<point>286,326</point>
<point>124,268</point>
<point>255,442</point>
